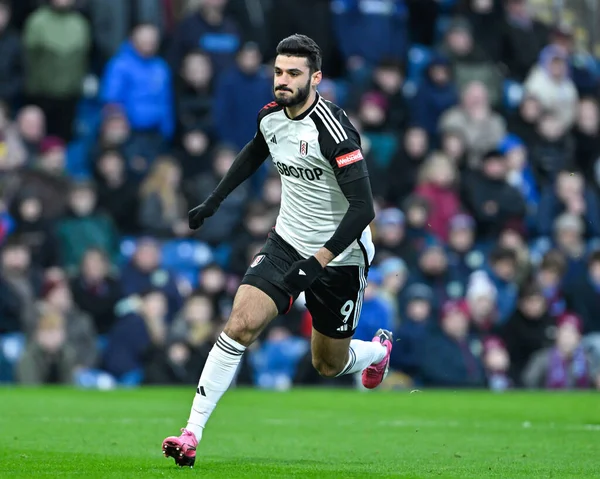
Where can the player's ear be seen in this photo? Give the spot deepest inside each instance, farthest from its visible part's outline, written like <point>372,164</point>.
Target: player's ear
<point>316,78</point>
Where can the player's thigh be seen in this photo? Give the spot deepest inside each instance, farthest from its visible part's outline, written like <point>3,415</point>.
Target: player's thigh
<point>252,310</point>
<point>335,300</point>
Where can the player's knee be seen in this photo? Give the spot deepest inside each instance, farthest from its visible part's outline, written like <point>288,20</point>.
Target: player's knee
<point>239,329</point>
<point>326,368</point>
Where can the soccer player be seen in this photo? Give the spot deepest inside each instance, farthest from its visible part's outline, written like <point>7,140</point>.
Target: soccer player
<point>321,243</point>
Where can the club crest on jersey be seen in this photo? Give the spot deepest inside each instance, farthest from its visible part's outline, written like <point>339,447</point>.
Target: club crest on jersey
<point>303,148</point>
<point>257,260</point>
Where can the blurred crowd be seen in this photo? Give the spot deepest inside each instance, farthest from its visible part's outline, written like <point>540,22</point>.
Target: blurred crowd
<point>480,125</point>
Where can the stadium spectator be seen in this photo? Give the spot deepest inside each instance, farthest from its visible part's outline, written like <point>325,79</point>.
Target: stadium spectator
<point>12,150</point>
<point>583,295</point>
<point>523,123</point>
<point>463,257</point>
<point>529,330</point>
<point>189,340</point>
<point>551,83</point>
<point>57,42</point>
<point>137,338</point>
<point>84,227</point>
<point>491,200</point>
<point>481,295</point>
<point>116,191</point>
<point>194,92</point>
<point>394,274</point>
<point>214,283</point>
<point>206,26</point>
<point>143,272</point>
<point>564,365</point>
<point>502,272</point>
<point>19,287</point>
<point>386,85</point>
<point>454,145</point>
<point>417,318</point>
<point>552,150</point>
<point>56,296</point>
<point>34,230</point>
<point>549,278</point>
<point>417,230</point>
<point>11,65</point>
<point>403,170</point>
<point>523,38</point>
<point>469,62</point>
<point>162,207</point>
<point>496,363</point>
<point>520,173</point>
<point>239,93</point>
<point>436,93</point>
<point>483,16</point>
<point>138,80</point>
<point>438,184</point>
<point>194,153</point>
<point>432,270</point>
<point>514,238</point>
<point>481,127</point>
<point>569,194</point>
<point>31,124</point>
<point>96,289</point>
<point>585,133</point>
<point>447,357</point>
<point>48,358</point>
<point>569,238</point>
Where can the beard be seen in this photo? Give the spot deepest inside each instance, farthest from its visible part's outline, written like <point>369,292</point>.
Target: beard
<point>296,99</point>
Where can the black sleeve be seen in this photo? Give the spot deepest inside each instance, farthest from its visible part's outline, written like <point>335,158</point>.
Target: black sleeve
<point>360,213</point>
<point>340,143</point>
<point>246,163</point>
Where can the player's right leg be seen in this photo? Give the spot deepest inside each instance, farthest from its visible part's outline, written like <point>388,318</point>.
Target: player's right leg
<point>252,310</point>
<point>259,299</point>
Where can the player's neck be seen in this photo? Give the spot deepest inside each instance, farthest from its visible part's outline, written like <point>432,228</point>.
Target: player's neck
<point>295,111</point>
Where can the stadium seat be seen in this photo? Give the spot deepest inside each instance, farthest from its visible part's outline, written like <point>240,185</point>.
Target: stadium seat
<point>182,254</point>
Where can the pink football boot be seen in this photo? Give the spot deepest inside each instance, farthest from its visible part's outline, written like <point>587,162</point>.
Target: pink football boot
<point>182,448</point>
<point>374,375</point>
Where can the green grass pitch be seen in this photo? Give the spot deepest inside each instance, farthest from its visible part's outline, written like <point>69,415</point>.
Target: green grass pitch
<point>302,433</point>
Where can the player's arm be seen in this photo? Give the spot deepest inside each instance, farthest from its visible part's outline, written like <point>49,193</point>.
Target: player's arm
<point>245,164</point>
<point>361,212</point>
<point>343,150</point>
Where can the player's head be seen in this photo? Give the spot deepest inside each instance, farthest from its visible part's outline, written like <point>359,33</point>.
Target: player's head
<point>297,70</point>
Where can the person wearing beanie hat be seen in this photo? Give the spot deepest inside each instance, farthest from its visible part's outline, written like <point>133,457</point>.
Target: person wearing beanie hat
<point>481,298</point>
<point>565,365</point>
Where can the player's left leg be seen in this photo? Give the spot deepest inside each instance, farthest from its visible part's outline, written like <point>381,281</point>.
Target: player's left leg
<point>335,302</point>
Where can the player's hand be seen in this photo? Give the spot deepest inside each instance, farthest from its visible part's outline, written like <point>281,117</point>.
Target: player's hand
<point>302,274</point>
<point>197,215</point>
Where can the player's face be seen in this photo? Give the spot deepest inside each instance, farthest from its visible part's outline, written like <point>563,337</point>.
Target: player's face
<point>292,80</point>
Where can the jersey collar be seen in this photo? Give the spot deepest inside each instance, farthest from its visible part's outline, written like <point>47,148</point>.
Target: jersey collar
<point>307,112</point>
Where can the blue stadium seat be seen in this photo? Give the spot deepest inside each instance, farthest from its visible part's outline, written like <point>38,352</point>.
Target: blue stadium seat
<point>183,254</point>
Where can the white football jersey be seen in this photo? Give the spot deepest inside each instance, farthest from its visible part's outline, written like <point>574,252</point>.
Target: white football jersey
<point>315,153</point>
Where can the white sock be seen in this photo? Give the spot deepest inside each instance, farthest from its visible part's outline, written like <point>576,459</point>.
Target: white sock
<point>217,375</point>
<point>362,355</point>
